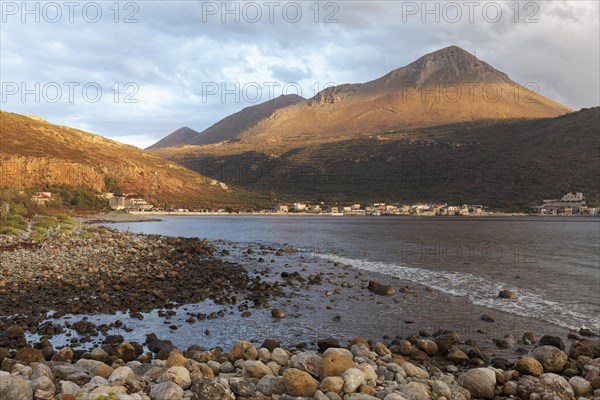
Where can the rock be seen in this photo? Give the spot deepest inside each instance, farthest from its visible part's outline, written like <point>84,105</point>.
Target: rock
<point>121,374</point>
<point>269,385</point>
<point>383,290</point>
<point>336,362</point>
<point>43,383</point>
<point>480,382</point>
<point>299,383</point>
<point>243,350</point>
<point>176,360</point>
<point>529,366</point>
<point>440,389</point>
<point>29,355</point>
<point>414,372</point>
<point>241,387</point>
<point>394,396</point>
<point>528,338</point>
<point>510,388</point>
<point>506,342</point>
<point>548,386</point>
<point>325,344</point>
<point>126,352</point>
<point>178,375</point>
<point>428,346</point>
<point>99,354</point>
<point>551,358</point>
<point>15,388</point>
<point>280,356</point>
<point>415,391</point>
<point>555,341</point>
<point>457,356</point>
<point>581,387</point>
<point>255,369</point>
<point>307,361</point>
<point>588,348</point>
<point>507,294</point>
<point>333,384</point>
<point>166,391</point>
<point>64,355</point>
<point>270,344</point>
<point>69,388</point>
<point>43,395</point>
<point>353,378</point>
<point>277,313</point>
<point>206,389</point>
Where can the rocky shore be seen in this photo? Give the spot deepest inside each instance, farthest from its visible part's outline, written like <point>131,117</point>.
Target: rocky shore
<point>48,290</point>
<point>99,270</point>
<point>361,370</point>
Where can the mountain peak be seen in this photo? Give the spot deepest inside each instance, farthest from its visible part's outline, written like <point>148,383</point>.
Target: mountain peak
<point>453,65</point>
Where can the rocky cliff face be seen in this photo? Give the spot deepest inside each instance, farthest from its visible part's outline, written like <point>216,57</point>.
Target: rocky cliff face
<point>37,153</point>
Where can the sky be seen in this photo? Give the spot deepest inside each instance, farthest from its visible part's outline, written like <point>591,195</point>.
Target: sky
<point>135,71</point>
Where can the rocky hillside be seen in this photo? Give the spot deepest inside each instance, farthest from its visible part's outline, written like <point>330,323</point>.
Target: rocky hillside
<point>35,153</point>
<point>510,165</point>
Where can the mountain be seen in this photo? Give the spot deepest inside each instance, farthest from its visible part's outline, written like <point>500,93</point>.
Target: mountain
<point>447,86</point>
<point>444,87</point>
<point>36,153</point>
<point>509,165</point>
<point>177,138</point>
<point>229,127</point>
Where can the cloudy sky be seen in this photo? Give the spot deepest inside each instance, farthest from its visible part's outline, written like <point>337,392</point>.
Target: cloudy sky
<point>134,71</point>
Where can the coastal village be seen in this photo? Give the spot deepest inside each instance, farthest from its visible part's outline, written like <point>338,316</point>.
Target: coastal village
<point>569,204</point>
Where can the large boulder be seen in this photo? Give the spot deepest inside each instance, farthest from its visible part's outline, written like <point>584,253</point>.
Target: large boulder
<point>270,385</point>
<point>299,383</point>
<point>243,350</point>
<point>28,355</point>
<point>206,389</point>
<point>166,391</point>
<point>336,362</point>
<point>529,366</point>
<point>15,388</point>
<point>551,358</point>
<point>480,382</point>
<point>307,361</point>
<point>415,391</point>
<point>547,387</point>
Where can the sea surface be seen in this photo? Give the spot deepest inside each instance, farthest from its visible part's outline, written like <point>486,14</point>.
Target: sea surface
<point>552,263</point>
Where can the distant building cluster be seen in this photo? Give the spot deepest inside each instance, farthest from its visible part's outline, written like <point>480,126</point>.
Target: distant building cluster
<point>569,204</point>
<point>127,203</point>
<point>41,198</point>
<point>382,209</point>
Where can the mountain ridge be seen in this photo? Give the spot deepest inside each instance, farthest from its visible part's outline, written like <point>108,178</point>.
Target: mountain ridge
<point>446,86</point>
<point>37,153</point>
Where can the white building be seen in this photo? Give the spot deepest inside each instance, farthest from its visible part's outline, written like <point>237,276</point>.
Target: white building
<point>572,197</point>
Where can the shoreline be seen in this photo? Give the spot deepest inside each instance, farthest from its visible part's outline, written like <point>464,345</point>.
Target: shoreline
<point>300,214</point>
<point>338,300</point>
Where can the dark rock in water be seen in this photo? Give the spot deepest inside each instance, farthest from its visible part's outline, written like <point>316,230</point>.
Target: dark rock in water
<point>327,343</point>
<point>277,313</point>
<point>586,332</point>
<point>528,338</point>
<point>487,318</point>
<point>383,290</point>
<point>505,342</point>
<point>270,344</point>
<point>507,294</point>
<point>555,341</point>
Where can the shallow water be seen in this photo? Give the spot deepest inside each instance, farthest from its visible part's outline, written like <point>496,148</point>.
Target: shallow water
<point>552,263</point>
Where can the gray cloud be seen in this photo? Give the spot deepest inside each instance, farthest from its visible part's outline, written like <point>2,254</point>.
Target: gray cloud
<point>177,51</point>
